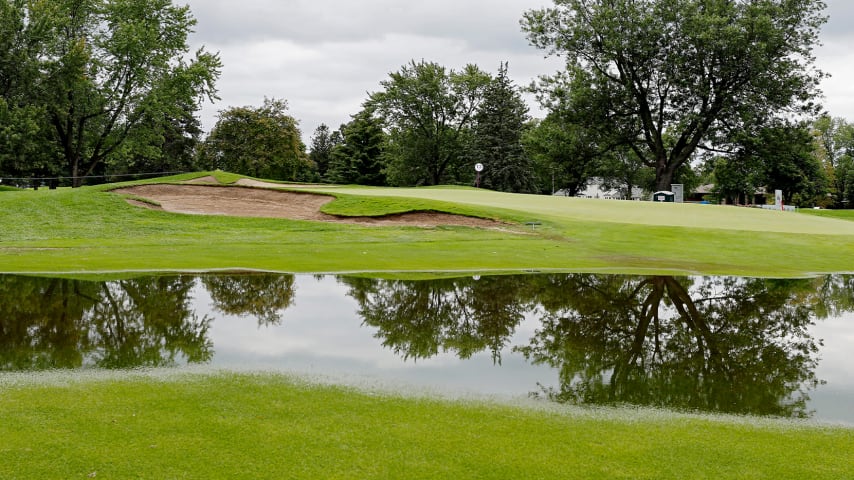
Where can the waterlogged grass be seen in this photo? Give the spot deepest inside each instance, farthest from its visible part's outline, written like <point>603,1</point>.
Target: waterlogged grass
<point>91,230</point>
<point>268,426</point>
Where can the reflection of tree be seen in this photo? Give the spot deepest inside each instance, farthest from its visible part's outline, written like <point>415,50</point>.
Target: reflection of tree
<point>148,322</point>
<point>417,319</point>
<point>717,344</point>
<point>264,296</point>
<point>41,322</point>
<point>836,295</point>
<point>59,323</point>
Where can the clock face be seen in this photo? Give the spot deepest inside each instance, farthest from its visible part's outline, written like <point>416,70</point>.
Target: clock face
<point>478,167</point>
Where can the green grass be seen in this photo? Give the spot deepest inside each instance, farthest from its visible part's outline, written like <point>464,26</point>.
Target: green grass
<point>839,214</point>
<point>244,426</point>
<point>91,230</point>
<point>267,426</point>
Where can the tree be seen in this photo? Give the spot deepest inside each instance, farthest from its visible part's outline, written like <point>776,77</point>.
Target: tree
<point>834,138</point>
<point>564,149</point>
<point>621,170</point>
<point>262,142</point>
<point>171,144</point>
<point>777,157</point>
<point>672,76</point>
<point>428,111</point>
<point>97,70</point>
<point>360,156</point>
<point>497,137</point>
<point>322,143</point>
<point>786,153</point>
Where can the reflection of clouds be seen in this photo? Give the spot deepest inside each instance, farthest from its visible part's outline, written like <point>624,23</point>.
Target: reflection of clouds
<point>322,322</point>
<point>838,336</point>
<point>322,334</point>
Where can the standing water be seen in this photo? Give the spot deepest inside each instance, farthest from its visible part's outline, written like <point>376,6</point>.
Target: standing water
<point>713,344</point>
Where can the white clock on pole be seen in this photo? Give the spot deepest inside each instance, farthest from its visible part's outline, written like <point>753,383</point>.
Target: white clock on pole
<point>478,167</point>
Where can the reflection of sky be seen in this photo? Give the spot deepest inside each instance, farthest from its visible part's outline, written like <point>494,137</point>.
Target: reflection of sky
<point>834,400</point>
<point>322,334</point>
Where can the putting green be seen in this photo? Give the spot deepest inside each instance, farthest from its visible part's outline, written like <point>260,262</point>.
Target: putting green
<point>613,211</point>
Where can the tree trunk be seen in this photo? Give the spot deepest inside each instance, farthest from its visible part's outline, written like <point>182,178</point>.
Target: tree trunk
<point>664,175</point>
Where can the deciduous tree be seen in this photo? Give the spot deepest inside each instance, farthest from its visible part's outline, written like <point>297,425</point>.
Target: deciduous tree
<point>428,111</point>
<point>262,142</point>
<point>98,70</point>
<point>834,138</point>
<point>671,76</point>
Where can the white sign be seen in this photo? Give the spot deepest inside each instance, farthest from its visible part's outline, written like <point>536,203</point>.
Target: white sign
<point>478,167</point>
<point>678,190</point>
<point>778,199</point>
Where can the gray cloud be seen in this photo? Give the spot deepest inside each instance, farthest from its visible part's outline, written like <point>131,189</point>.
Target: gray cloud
<point>324,56</point>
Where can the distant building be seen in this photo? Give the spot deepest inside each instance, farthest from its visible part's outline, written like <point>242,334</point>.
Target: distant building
<point>707,193</point>
<point>595,189</point>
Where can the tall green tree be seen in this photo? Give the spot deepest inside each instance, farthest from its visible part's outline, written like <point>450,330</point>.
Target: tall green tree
<point>786,153</point>
<point>497,137</point>
<point>360,156</point>
<point>323,141</point>
<point>565,150</point>
<point>672,76</point>
<point>778,157</point>
<point>261,142</point>
<point>834,138</point>
<point>97,70</point>
<point>428,111</point>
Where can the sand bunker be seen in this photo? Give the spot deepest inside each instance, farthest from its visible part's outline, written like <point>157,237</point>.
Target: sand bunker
<point>202,199</point>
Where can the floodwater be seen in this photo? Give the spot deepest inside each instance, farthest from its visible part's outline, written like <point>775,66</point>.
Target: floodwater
<point>711,344</point>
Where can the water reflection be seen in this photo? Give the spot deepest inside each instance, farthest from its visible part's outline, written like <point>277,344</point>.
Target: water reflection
<point>263,296</point>
<point>714,344</point>
<point>60,323</point>
<point>418,319</point>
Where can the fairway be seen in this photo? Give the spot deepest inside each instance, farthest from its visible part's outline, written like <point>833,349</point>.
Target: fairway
<point>364,229</point>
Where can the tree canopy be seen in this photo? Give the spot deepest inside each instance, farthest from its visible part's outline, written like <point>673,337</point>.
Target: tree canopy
<point>261,142</point>
<point>834,139</point>
<point>428,111</point>
<point>667,77</point>
<point>80,79</point>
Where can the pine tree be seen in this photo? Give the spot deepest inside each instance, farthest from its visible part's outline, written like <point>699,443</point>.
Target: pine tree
<point>497,139</point>
<point>358,159</point>
<point>322,143</point>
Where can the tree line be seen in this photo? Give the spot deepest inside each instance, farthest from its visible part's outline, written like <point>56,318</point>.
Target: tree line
<point>653,92</point>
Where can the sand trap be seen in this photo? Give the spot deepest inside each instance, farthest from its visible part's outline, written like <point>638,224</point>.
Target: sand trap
<point>202,199</point>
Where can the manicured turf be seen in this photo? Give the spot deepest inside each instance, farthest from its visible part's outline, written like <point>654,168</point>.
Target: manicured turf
<point>92,230</point>
<point>265,426</point>
<point>243,426</point>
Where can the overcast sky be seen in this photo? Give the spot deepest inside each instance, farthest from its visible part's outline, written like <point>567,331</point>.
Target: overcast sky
<point>324,56</point>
